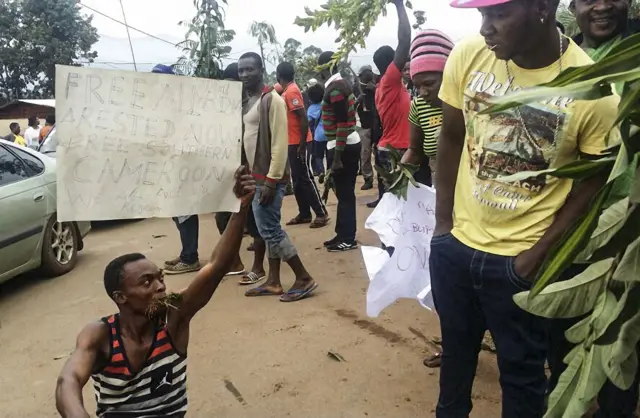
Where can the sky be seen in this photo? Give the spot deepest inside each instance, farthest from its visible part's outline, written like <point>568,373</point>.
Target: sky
<point>162,21</point>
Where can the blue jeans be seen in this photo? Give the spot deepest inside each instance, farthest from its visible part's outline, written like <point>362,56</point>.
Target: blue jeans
<point>268,219</point>
<point>189,231</point>
<point>317,161</point>
<point>473,291</point>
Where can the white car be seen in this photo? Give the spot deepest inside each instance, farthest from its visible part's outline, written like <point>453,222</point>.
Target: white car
<point>30,235</point>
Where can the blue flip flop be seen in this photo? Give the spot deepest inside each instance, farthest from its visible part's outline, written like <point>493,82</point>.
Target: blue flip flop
<point>298,294</point>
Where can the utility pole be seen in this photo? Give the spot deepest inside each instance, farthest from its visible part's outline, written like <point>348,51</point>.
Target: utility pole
<point>124,17</point>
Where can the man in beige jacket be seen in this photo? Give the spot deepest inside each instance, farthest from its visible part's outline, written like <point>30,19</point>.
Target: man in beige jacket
<point>265,145</point>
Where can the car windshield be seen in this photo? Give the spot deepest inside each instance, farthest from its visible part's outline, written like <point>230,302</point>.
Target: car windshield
<point>50,143</point>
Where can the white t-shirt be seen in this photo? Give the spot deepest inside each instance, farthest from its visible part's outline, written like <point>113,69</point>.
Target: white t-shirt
<point>32,136</point>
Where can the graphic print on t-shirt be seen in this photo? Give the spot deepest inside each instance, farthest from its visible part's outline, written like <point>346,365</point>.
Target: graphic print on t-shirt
<point>498,143</point>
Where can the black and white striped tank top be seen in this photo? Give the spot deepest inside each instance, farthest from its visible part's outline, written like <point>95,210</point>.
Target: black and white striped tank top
<point>159,389</point>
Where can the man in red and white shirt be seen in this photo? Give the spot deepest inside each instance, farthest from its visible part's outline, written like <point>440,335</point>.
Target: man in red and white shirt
<point>392,98</point>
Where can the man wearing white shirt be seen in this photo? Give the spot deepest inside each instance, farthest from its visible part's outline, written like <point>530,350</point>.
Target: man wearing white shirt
<point>32,133</point>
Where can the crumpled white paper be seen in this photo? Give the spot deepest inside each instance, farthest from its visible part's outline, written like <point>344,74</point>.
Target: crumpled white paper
<point>408,227</point>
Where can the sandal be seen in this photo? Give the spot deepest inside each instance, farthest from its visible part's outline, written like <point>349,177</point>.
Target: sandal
<point>236,273</point>
<point>262,291</point>
<point>298,220</point>
<point>433,360</point>
<point>320,222</point>
<point>251,278</point>
<point>298,294</point>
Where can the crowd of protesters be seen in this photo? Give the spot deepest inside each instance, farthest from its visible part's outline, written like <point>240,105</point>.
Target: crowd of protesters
<point>490,237</point>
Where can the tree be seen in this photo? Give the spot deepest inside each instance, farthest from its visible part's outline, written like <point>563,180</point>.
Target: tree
<point>421,19</point>
<point>564,16</point>
<point>35,35</point>
<point>206,42</point>
<point>607,294</point>
<point>265,34</point>
<point>353,19</point>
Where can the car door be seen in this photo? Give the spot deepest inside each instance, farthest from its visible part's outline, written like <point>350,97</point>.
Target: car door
<point>23,209</point>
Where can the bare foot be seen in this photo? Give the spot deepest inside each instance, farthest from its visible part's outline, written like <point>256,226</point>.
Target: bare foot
<point>265,290</point>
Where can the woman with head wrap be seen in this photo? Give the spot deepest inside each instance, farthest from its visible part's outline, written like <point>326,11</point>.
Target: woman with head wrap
<point>429,52</point>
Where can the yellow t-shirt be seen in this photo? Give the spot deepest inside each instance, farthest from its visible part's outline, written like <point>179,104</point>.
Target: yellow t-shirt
<point>508,218</point>
<point>20,141</point>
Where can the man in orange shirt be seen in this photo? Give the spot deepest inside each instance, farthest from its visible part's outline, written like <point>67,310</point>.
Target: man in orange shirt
<point>49,122</point>
<point>300,144</point>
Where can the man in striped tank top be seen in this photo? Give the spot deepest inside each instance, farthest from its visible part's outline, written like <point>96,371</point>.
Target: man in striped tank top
<point>137,357</point>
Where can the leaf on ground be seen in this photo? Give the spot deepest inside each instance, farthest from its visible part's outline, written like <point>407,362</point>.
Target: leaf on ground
<point>569,298</point>
<point>335,356</point>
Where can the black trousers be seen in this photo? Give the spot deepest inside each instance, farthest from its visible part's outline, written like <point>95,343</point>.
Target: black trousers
<point>345,184</point>
<point>305,189</point>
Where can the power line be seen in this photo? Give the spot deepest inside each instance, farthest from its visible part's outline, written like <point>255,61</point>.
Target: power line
<point>124,24</point>
<point>124,17</point>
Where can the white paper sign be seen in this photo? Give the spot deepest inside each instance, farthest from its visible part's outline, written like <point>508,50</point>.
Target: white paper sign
<point>139,145</point>
<point>408,227</point>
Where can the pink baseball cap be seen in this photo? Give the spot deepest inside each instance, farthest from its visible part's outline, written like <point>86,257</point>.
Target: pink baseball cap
<point>475,4</point>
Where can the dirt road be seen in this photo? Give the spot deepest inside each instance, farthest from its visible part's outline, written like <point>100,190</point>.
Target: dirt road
<point>253,358</point>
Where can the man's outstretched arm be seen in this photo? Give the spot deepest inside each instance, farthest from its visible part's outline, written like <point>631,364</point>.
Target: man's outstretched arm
<point>201,289</point>
<point>77,371</point>
<point>404,36</point>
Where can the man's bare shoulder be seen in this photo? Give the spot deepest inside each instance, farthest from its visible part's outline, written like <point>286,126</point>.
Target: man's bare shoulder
<point>94,335</point>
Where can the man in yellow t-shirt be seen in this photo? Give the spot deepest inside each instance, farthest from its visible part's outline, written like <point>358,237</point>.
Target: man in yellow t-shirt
<point>15,135</point>
<point>492,236</point>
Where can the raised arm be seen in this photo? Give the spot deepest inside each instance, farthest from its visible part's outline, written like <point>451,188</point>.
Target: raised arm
<point>450,147</point>
<point>404,36</point>
<point>201,289</point>
<point>77,371</point>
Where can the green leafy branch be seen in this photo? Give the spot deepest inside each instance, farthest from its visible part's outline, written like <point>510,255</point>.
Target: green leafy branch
<point>397,179</point>
<point>352,19</point>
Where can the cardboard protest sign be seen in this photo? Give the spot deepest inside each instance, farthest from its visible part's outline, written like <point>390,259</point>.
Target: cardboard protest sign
<point>139,145</point>
<point>407,226</point>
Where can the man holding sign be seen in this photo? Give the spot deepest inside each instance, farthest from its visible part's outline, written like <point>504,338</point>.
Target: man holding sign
<point>138,357</point>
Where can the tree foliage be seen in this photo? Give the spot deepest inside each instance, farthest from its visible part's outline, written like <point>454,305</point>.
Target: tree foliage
<point>305,61</point>
<point>352,19</point>
<point>265,34</point>
<point>605,238</point>
<point>206,42</point>
<point>35,35</point>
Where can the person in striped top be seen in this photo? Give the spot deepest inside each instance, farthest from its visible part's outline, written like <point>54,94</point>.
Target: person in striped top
<point>138,357</point>
<point>343,143</point>
<point>429,52</point>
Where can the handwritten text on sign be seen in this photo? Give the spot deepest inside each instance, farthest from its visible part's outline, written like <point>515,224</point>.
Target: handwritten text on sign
<point>407,226</point>
<point>138,145</point>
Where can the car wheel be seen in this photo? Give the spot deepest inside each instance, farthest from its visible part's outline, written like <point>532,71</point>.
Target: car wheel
<point>59,248</point>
